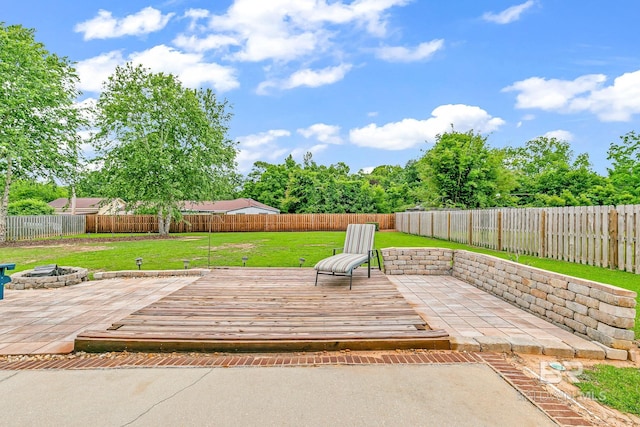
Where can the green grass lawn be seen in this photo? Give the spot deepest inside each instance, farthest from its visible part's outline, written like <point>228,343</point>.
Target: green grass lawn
<point>264,249</point>
<point>615,387</point>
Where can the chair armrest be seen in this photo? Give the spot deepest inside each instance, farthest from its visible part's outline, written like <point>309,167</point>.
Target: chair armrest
<point>336,250</point>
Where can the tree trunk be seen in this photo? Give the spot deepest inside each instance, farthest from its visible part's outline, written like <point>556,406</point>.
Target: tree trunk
<point>161,222</point>
<point>167,224</point>
<point>164,222</point>
<point>4,201</point>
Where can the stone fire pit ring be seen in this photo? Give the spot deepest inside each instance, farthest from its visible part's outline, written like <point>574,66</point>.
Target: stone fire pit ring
<point>71,276</point>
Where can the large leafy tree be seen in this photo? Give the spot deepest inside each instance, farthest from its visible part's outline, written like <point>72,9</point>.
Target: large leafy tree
<point>625,167</point>
<point>549,174</point>
<point>38,118</point>
<point>161,143</point>
<point>464,172</point>
<point>267,183</point>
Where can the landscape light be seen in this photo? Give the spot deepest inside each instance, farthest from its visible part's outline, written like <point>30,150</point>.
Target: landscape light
<point>186,263</point>
<point>302,260</point>
<point>139,262</point>
<point>244,260</point>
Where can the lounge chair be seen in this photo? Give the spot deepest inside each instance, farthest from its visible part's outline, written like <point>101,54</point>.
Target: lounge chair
<point>358,249</point>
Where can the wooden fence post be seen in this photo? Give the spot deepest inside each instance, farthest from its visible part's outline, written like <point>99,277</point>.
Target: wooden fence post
<point>470,228</point>
<point>499,227</point>
<point>613,239</point>
<point>543,234</point>
<point>449,226</point>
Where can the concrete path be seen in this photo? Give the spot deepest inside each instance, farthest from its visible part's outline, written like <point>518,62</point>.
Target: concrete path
<point>409,395</point>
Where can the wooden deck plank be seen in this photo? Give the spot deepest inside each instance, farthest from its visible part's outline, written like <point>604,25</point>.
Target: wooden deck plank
<point>272,309</point>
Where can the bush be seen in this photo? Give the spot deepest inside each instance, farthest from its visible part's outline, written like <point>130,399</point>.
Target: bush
<point>29,207</point>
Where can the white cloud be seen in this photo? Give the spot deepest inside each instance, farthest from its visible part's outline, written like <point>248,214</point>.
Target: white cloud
<point>191,68</point>
<point>298,153</point>
<point>104,25</point>
<point>194,15</point>
<point>560,135</point>
<point>409,133</point>
<point>616,102</point>
<point>552,94</point>
<point>94,71</point>
<point>260,146</point>
<point>403,54</point>
<point>308,78</point>
<point>323,133</point>
<point>368,169</point>
<point>197,44</point>
<point>284,30</point>
<point>262,138</point>
<point>510,14</point>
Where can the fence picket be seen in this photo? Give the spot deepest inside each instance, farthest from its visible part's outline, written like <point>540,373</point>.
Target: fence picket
<point>577,234</point>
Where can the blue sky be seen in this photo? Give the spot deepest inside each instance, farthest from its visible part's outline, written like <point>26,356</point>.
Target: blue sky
<point>371,82</point>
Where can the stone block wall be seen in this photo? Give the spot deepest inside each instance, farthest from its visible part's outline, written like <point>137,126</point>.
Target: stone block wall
<point>592,310</point>
<point>424,261</point>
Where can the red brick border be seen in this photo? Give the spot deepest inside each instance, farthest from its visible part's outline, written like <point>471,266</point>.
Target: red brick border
<point>533,390</point>
<point>530,388</point>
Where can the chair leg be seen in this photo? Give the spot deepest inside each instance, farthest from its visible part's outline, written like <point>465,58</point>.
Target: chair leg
<point>317,277</point>
<point>378,256</point>
<point>350,279</point>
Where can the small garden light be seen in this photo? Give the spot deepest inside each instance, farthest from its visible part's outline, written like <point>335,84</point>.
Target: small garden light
<point>244,260</point>
<point>139,262</point>
<point>302,260</point>
<point>186,264</point>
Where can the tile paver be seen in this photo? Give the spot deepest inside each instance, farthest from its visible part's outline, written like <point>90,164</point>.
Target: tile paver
<point>47,320</point>
<point>467,312</point>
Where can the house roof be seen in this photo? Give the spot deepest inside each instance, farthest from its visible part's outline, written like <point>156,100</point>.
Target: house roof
<point>222,206</point>
<point>81,202</point>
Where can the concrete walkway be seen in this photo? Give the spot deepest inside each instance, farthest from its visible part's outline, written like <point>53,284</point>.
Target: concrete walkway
<point>410,395</point>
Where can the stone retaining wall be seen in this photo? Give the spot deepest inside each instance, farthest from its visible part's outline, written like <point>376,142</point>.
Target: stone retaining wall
<point>592,310</point>
<point>21,281</point>
<point>149,273</point>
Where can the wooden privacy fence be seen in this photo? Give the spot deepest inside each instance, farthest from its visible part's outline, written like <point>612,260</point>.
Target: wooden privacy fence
<point>39,226</point>
<point>604,236</point>
<point>224,223</point>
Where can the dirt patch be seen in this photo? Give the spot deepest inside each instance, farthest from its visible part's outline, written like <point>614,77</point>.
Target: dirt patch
<point>74,248</point>
<point>242,246</point>
<point>84,240</point>
<point>588,406</point>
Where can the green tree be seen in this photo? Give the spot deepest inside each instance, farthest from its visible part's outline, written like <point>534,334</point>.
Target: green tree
<point>463,172</point>
<point>91,184</point>
<point>267,183</point>
<point>22,189</point>
<point>162,144</point>
<point>625,168</point>
<point>30,207</point>
<point>548,174</point>
<point>38,118</point>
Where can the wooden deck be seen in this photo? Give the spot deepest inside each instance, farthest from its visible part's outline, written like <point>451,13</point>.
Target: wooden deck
<point>272,309</point>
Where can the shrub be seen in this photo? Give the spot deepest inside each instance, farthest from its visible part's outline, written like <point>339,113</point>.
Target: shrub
<point>29,207</point>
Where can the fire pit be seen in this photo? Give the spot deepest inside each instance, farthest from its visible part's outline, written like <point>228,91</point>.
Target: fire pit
<point>48,276</point>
